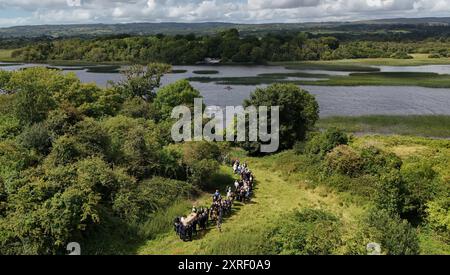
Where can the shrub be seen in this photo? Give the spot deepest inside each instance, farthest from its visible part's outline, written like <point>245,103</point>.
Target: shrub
<point>390,194</point>
<point>422,185</point>
<point>344,160</point>
<point>439,215</point>
<point>321,144</point>
<point>435,55</point>
<point>135,203</point>
<point>377,162</point>
<point>396,236</point>
<point>36,137</point>
<point>401,55</point>
<point>307,232</point>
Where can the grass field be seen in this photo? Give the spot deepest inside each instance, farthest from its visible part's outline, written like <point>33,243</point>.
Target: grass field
<point>5,55</point>
<point>428,126</point>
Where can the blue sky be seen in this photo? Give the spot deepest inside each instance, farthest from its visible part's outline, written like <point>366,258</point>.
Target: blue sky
<point>34,12</point>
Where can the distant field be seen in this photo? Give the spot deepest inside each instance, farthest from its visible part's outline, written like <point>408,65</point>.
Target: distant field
<point>5,55</point>
<point>427,125</point>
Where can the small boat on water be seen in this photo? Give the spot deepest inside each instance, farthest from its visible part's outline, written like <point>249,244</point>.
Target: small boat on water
<point>229,88</point>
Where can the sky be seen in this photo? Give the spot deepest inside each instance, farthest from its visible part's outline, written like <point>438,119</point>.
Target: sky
<point>37,12</point>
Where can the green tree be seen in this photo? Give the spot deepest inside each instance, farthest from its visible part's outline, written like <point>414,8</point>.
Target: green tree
<point>299,112</point>
<point>173,95</point>
<point>142,81</point>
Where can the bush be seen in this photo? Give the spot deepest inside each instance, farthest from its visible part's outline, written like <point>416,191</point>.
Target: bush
<point>321,144</point>
<point>344,160</point>
<point>9,127</point>
<point>377,162</point>
<point>401,55</point>
<point>136,203</point>
<point>307,232</point>
<point>434,55</point>
<point>396,236</point>
<point>422,185</point>
<point>439,215</point>
<point>36,137</point>
<point>201,159</point>
<point>390,194</point>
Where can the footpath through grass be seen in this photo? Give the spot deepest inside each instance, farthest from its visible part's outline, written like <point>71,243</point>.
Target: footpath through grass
<point>246,230</point>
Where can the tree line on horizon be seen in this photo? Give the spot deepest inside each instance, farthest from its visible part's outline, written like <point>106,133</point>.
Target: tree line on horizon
<point>229,46</point>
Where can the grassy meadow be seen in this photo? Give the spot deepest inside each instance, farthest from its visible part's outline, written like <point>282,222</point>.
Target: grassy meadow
<point>5,55</point>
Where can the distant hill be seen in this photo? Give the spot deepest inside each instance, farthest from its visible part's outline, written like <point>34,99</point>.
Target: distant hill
<point>93,30</point>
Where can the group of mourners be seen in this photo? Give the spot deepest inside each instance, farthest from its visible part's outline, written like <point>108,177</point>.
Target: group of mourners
<point>199,218</point>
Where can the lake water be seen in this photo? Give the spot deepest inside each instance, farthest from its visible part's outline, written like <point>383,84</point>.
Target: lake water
<point>348,101</point>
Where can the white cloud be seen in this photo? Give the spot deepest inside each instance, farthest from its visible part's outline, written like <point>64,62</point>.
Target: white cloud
<point>257,11</point>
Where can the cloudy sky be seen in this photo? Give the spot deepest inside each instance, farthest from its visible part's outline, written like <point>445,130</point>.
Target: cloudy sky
<point>32,12</point>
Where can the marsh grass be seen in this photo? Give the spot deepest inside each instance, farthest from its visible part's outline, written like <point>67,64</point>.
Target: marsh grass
<point>417,60</point>
<point>206,72</point>
<point>430,80</point>
<point>423,125</point>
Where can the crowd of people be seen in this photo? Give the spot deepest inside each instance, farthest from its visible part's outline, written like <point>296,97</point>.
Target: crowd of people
<point>199,218</point>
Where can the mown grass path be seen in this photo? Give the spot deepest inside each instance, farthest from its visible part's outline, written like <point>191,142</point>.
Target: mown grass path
<point>273,197</point>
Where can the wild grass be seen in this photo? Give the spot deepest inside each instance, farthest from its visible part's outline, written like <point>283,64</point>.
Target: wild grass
<point>415,125</point>
<point>206,72</point>
<point>328,67</point>
<point>430,80</point>
<point>161,221</point>
<point>417,60</point>
<point>5,55</point>
<point>178,71</point>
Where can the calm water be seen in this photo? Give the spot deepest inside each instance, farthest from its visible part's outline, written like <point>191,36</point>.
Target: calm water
<point>354,101</point>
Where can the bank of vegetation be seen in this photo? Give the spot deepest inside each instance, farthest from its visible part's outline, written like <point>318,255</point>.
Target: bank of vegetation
<point>229,46</point>
<point>98,166</point>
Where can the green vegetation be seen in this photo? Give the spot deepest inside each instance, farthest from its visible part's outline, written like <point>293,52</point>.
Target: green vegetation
<point>206,72</point>
<point>417,60</point>
<point>78,162</point>
<point>326,66</point>
<point>98,166</point>
<point>430,126</point>
<point>429,80</point>
<point>5,55</point>
<point>231,47</point>
<point>298,113</point>
<point>178,71</point>
<point>304,206</point>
